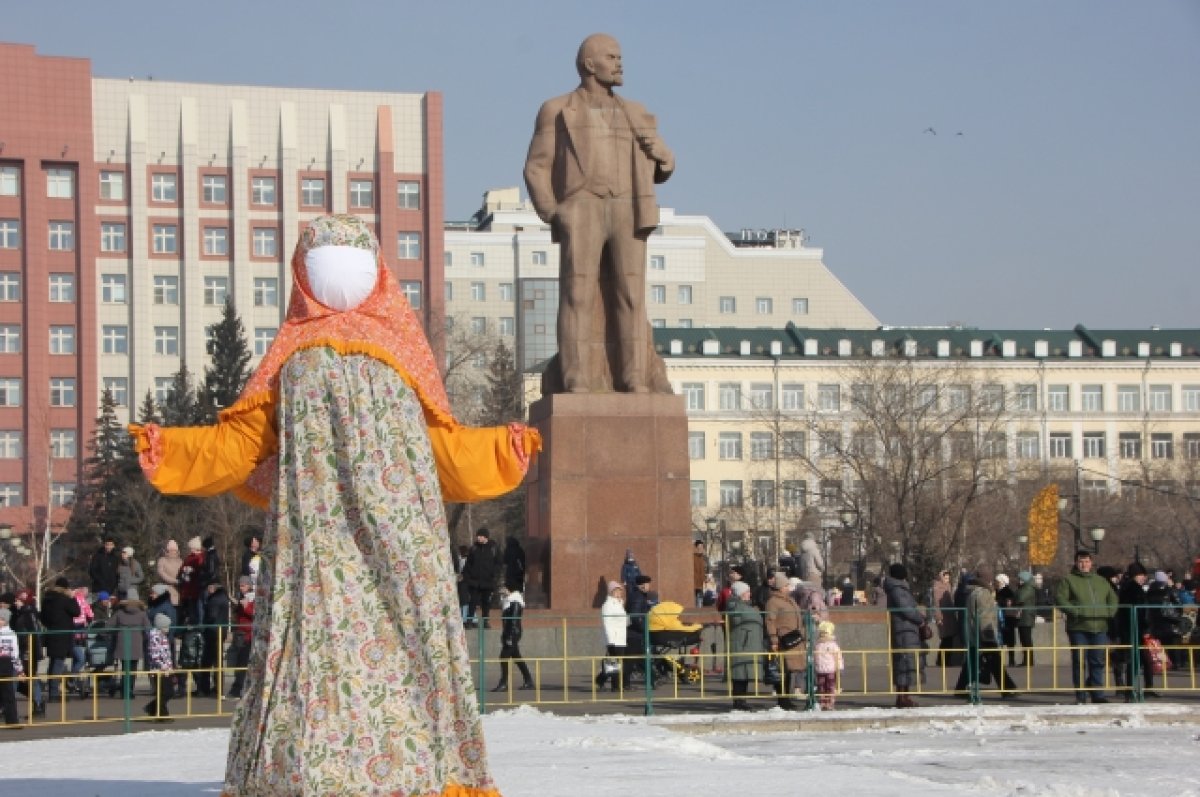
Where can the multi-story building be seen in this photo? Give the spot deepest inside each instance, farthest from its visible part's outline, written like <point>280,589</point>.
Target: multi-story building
<point>131,209</point>
<point>502,278</point>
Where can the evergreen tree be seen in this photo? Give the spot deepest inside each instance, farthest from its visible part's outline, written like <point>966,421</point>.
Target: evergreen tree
<point>229,368</point>
<point>181,408</point>
<point>109,472</point>
<point>502,401</point>
<point>148,410</point>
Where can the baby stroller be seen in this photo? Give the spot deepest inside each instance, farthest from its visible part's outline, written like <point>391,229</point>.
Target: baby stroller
<point>671,640</point>
<point>101,652</point>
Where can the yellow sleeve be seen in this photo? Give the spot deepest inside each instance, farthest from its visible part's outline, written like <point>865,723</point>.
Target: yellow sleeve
<point>205,460</point>
<point>479,463</point>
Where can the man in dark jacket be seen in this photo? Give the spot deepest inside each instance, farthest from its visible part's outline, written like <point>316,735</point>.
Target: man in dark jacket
<point>1132,620</point>
<point>1087,601</point>
<point>216,633</point>
<point>26,625</point>
<point>59,610</point>
<point>481,572</point>
<point>103,568</point>
<point>514,564</point>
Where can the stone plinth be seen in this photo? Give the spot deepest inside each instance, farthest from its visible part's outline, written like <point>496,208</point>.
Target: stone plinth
<point>613,474</point>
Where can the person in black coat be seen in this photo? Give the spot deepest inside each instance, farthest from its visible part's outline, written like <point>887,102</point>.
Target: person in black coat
<point>216,633</point>
<point>514,563</point>
<point>512,608</point>
<point>103,568</point>
<point>26,625</point>
<point>481,572</point>
<point>1130,622</point>
<point>1165,617</point>
<point>59,610</point>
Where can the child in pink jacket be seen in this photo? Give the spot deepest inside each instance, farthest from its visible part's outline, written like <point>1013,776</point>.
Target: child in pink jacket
<point>827,658</point>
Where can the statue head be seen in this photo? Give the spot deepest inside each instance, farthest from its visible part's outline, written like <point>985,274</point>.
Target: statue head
<point>599,58</point>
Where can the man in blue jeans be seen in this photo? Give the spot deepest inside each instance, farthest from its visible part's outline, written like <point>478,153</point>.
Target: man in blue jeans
<point>1088,601</point>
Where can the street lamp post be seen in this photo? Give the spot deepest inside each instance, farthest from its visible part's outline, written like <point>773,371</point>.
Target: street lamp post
<point>1096,533</point>
<point>1022,549</point>
<point>852,521</point>
<point>713,525</point>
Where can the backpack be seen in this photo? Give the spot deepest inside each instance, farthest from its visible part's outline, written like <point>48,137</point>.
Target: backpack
<point>191,649</point>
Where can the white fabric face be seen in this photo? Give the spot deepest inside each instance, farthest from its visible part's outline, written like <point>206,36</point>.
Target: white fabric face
<point>341,277</point>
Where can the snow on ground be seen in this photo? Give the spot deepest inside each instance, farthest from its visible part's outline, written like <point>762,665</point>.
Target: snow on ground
<point>1067,752</point>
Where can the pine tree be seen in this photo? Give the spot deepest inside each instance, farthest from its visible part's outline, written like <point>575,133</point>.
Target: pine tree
<point>109,472</point>
<point>148,410</point>
<point>229,368</point>
<point>181,407</point>
<point>502,401</point>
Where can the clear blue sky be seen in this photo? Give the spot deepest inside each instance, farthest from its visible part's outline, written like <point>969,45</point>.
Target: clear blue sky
<point>1073,194</point>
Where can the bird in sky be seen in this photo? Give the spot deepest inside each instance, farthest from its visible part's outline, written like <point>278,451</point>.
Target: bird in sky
<point>959,133</point>
<point>929,130</point>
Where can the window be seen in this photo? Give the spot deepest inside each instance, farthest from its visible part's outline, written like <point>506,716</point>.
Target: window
<point>447,259</point>
<point>412,291</point>
<point>478,325</point>
<point>62,340</point>
<point>10,339</point>
<point>1159,399</point>
<point>699,493</point>
<point>1093,445</point>
<point>114,339</point>
<point>112,236</point>
<point>927,397</point>
<point>362,193</point>
<point>112,288</point>
<point>10,391</point>
<point>506,291</point>
<point>539,258</point>
<point>62,493</point>
<point>166,341</point>
<point>63,444</point>
<point>118,388</point>
<point>60,183</point>
<point>729,445</point>
<point>1028,445</point>
<point>799,306</point>
<point>477,259</point>
<point>831,492</point>
<point>10,495</point>
<point>792,445</point>
<point>215,291</point>
<point>266,242</point>
<point>658,262</point>
<point>112,185</point>
<point>794,493</point>
<point>1091,398</point>
<point>508,326</point>
<point>1191,446</point>
<point>1060,445</point>
<point>729,396</point>
<point>829,443</point>
<point>262,191</point>
<point>10,444</point>
<point>1162,445</point>
<point>215,189</point>
<point>216,241</point>
<point>683,294</point>
<point>62,288</point>
<point>1129,445</point>
<point>991,398</point>
<point>263,338</point>
<point>994,446</point>
<point>762,396</point>
<point>449,291</point>
<point>793,397</point>
<point>312,192</point>
<point>1129,398</point>
<point>695,445</point>
<point>958,397</point>
<point>408,195</point>
<point>408,245</point>
<point>763,305</point>
<point>829,398</point>
<point>763,493</point>
<point>10,286</point>
<point>1026,398</point>
<point>62,236</point>
<point>166,289</point>
<point>478,291</point>
<point>62,392</point>
<point>164,188</point>
<point>163,389</point>
<point>10,234</point>
<point>166,239</point>
<point>685,323</point>
<point>10,181</point>
<point>658,323</point>
<point>1058,398</point>
<point>731,492</point>
<point>266,292</point>
<point>658,294</point>
<point>1191,398</point>
<point>727,305</point>
<point>693,395</point>
<point>762,445</point>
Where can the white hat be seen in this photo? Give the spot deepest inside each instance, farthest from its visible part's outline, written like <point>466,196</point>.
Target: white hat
<point>740,588</point>
<point>1002,580</point>
<point>128,551</point>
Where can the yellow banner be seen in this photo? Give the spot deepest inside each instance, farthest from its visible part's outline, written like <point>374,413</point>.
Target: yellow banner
<point>1043,527</point>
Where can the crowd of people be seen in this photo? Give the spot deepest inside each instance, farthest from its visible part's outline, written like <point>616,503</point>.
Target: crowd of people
<point>101,634</point>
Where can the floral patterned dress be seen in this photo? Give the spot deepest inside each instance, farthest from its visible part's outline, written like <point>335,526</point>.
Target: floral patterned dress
<point>359,681</point>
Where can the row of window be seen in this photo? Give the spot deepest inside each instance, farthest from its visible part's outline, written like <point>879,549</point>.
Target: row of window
<point>114,289</point>
<point>214,188</point>
<point>62,391</point>
<point>1026,445</point>
<point>793,493</point>
<point>479,291</point>
<point>985,398</point>
<point>64,444</point>
<point>62,494</point>
<point>507,325</point>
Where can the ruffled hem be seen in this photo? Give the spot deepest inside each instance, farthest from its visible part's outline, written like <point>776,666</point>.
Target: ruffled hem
<point>148,442</point>
<point>453,790</point>
<point>525,443</point>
